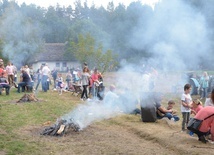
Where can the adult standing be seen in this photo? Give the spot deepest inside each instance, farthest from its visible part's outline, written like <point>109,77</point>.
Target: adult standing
<point>10,73</point>
<point>95,82</point>
<point>204,85</point>
<point>85,82</point>
<point>15,72</point>
<point>54,75</point>
<point>2,71</point>
<point>39,76</point>
<point>45,75</point>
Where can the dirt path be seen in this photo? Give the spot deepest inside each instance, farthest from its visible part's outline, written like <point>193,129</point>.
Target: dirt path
<point>121,135</point>
<point>100,139</point>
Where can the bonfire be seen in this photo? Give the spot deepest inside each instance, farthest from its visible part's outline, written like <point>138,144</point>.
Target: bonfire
<point>61,127</point>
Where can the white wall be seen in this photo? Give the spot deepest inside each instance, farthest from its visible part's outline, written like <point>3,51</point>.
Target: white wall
<point>52,65</point>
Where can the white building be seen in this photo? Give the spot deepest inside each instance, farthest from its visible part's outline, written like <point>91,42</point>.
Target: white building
<point>54,55</point>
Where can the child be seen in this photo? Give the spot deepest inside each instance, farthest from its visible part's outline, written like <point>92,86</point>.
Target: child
<point>208,101</point>
<point>186,105</point>
<point>174,117</point>
<point>60,83</point>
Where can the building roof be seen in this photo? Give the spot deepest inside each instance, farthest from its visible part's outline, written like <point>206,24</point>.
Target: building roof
<point>51,52</point>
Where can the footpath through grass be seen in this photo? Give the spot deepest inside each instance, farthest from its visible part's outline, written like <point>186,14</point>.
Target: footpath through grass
<point>15,116</point>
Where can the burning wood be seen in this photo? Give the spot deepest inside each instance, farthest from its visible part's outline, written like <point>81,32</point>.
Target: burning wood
<point>61,128</point>
<point>28,98</point>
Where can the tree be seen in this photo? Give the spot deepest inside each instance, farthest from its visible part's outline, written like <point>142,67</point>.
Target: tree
<point>86,50</point>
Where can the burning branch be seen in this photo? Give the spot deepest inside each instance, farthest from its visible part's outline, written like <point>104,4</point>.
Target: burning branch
<point>61,128</point>
<point>28,98</point>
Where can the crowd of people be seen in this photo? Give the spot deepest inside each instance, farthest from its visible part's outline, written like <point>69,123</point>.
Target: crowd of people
<point>92,81</point>
<point>195,108</point>
<point>190,108</point>
<point>89,81</point>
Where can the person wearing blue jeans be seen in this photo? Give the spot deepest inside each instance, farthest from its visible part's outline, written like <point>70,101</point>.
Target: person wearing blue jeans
<point>45,74</point>
<point>171,116</point>
<point>168,112</point>
<point>25,80</point>
<point>44,83</point>
<point>4,84</point>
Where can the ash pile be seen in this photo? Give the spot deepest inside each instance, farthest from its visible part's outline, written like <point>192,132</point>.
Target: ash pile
<point>61,127</point>
<point>28,98</point>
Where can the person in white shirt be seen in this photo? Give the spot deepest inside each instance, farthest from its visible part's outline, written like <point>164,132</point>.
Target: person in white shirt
<point>45,75</point>
<point>186,104</point>
<point>208,101</point>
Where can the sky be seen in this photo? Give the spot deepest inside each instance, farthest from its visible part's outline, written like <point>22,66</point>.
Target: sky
<point>46,3</point>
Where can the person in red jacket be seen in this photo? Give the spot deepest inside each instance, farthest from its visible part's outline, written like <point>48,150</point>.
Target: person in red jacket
<point>207,125</point>
<point>95,82</point>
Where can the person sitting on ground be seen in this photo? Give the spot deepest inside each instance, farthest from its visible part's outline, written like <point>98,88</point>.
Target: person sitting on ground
<point>207,116</point>
<point>196,106</point>
<point>208,101</point>
<point>4,84</point>
<point>111,97</point>
<point>169,112</point>
<point>24,81</point>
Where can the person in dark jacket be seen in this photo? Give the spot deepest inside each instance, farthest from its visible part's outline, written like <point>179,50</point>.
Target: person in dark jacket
<point>25,80</point>
<point>4,84</point>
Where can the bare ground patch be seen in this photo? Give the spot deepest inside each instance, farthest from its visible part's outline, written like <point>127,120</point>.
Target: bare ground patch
<point>116,136</point>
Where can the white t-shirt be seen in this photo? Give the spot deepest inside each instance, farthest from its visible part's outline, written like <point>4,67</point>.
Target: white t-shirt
<point>208,102</point>
<point>45,71</point>
<point>187,99</point>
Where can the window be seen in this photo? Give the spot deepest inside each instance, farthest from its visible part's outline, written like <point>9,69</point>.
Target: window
<point>57,64</point>
<point>64,64</point>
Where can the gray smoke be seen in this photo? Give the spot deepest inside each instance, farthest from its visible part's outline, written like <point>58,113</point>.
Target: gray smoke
<point>176,35</point>
<point>21,36</point>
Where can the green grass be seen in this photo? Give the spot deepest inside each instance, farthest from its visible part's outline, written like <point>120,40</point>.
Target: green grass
<point>16,116</point>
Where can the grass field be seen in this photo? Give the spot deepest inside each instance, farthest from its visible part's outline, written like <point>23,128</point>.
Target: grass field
<point>22,123</point>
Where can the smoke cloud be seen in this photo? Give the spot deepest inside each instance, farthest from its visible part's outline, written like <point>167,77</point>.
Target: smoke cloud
<point>177,37</point>
<point>22,36</point>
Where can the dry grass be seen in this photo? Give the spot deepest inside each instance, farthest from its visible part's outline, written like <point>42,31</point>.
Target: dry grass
<point>21,125</point>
